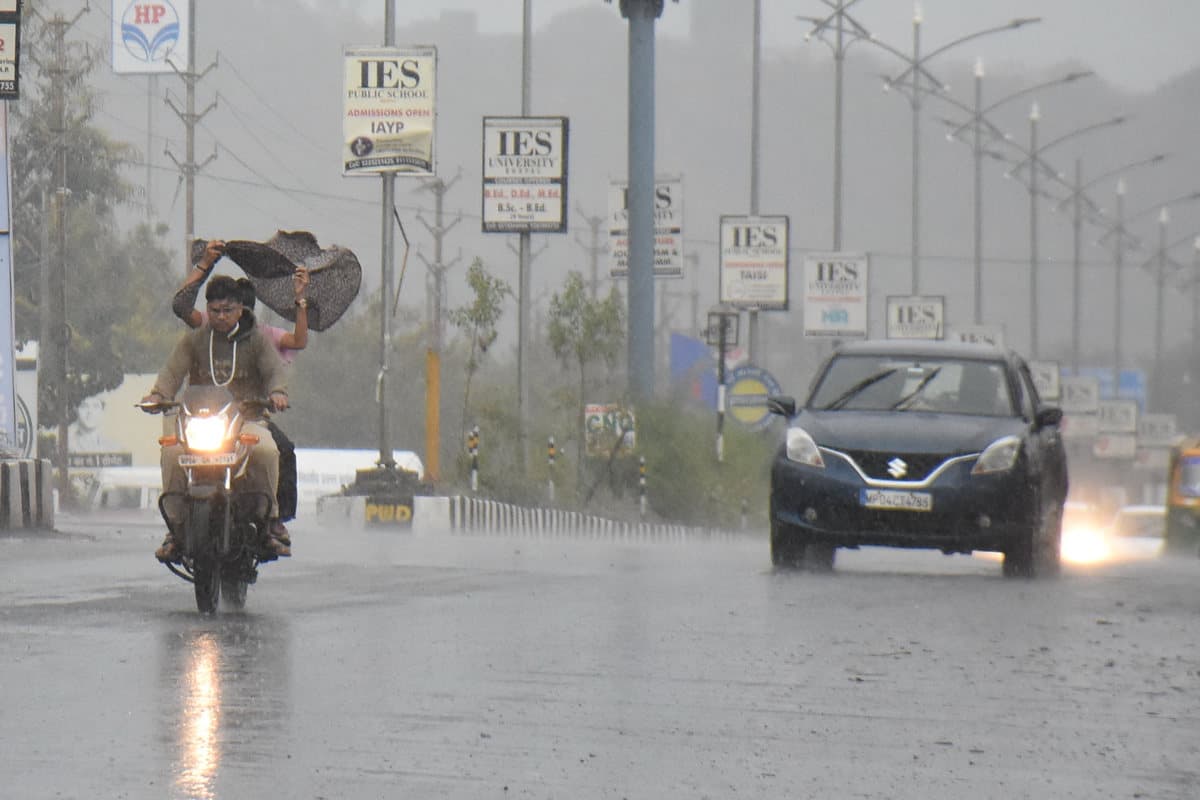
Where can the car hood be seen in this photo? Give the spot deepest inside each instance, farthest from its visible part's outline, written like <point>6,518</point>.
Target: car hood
<point>905,432</point>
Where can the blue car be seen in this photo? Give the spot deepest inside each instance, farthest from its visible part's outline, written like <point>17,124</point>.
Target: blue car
<point>920,444</point>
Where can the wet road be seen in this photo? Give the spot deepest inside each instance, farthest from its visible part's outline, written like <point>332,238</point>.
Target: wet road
<point>424,665</point>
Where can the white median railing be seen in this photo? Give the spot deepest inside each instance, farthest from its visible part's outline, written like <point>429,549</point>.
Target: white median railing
<point>473,514</point>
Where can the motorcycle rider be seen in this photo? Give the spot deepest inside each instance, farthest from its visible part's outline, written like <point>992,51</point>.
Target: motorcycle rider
<point>228,350</point>
<point>287,344</point>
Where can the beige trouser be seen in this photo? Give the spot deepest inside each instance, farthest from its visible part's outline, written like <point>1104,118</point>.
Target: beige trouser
<point>262,473</point>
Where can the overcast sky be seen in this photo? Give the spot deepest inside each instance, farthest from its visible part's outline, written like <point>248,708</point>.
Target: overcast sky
<point>1133,44</point>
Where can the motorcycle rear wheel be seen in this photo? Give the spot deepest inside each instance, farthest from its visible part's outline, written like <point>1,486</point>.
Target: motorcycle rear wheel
<point>233,591</point>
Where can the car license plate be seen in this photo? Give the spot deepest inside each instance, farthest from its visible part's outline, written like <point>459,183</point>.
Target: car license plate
<point>897,500</point>
<point>205,460</point>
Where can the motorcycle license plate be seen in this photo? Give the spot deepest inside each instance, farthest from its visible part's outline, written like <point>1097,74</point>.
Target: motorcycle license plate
<point>207,460</point>
<point>897,500</point>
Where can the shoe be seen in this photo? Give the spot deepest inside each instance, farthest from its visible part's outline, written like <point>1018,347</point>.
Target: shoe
<point>280,546</point>
<point>168,551</point>
<point>279,531</point>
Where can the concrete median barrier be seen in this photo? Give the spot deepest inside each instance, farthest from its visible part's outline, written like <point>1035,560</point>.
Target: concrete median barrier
<point>26,494</point>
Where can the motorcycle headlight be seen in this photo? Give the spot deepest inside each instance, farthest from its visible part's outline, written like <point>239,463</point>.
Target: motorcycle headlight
<point>802,449</point>
<point>1000,456</point>
<point>205,433</point>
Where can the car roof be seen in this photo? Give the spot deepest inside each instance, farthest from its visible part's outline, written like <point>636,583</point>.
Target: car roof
<point>924,348</point>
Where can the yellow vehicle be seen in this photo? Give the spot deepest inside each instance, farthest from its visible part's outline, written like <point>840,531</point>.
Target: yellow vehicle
<point>1183,498</point>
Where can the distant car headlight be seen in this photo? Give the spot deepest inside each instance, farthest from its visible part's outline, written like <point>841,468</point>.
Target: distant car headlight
<point>205,433</point>
<point>1000,456</point>
<point>802,449</point>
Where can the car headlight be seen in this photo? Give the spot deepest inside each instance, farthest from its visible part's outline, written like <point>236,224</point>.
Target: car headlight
<point>802,449</point>
<point>205,433</point>
<point>1000,456</point>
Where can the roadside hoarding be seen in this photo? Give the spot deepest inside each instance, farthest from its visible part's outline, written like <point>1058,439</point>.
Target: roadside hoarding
<point>977,334</point>
<point>835,294</point>
<point>389,110</point>
<point>603,423</point>
<point>754,262</point>
<point>1047,379</point>
<point>1157,430</point>
<point>916,317</point>
<point>668,228</point>
<point>524,174</point>
<point>10,49</point>
<point>150,36</point>
<point>1118,416</point>
<point>1079,426</point>
<point>1080,395</point>
<point>746,398</point>
<point>1114,445</point>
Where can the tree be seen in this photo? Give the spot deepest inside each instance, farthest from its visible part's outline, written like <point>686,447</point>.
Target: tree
<point>478,321</point>
<point>117,285</point>
<point>584,330</point>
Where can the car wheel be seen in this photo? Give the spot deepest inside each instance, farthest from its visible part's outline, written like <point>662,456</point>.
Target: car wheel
<point>1037,551</point>
<point>1181,536</point>
<point>784,549</point>
<point>818,557</point>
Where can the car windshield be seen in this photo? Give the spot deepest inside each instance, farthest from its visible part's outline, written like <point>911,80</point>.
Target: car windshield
<point>885,383</point>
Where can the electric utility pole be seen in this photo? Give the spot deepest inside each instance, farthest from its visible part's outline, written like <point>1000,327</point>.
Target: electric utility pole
<point>437,323</point>
<point>53,328</point>
<point>188,168</point>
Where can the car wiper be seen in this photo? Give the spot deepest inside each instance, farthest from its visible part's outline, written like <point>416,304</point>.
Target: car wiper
<point>908,398</point>
<point>853,391</point>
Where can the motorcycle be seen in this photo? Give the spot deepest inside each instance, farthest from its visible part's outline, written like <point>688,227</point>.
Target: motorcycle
<point>223,525</point>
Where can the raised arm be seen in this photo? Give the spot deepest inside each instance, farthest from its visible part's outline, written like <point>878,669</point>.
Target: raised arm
<point>298,338</point>
<point>184,302</point>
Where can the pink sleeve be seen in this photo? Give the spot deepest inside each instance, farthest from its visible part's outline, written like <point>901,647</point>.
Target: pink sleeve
<point>276,336</point>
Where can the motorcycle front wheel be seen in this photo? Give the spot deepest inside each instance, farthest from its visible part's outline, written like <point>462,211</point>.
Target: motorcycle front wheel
<point>206,568</point>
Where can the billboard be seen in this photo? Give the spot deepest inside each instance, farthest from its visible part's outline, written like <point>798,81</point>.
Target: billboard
<point>835,295</point>
<point>524,174</point>
<point>149,36</point>
<point>668,228</point>
<point>913,317</point>
<point>10,49</point>
<point>388,110</point>
<point>754,262</point>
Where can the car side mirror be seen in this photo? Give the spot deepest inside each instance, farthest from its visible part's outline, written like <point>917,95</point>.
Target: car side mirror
<point>1048,416</point>
<point>781,404</point>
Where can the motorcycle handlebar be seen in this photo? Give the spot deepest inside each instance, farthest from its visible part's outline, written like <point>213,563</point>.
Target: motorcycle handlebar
<point>163,406</point>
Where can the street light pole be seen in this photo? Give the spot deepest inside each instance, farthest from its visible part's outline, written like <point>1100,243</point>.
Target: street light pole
<point>1118,258</point>
<point>1078,198</point>
<point>978,122</point>
<point>1035,162</point>
<point>910,78</point>
<point>1164,217</point>
<point>1034,116</point>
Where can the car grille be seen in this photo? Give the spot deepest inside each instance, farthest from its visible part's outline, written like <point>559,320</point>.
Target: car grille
<point>874,464</point>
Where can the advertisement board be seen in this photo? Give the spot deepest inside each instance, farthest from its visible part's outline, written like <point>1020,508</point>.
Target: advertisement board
<point>1047,377</point>
<point>150,36</point>
<point>10,49</point>
<point>754,262</point>
<point>1118,416</point>
<point>524,174</point>
<point>389,110</point>
<point>992,335</point>
<point>668,228</point>
<point>916,317</point>
<point>603,423</point>
<point>835,294</point>
<point>1080,395</point>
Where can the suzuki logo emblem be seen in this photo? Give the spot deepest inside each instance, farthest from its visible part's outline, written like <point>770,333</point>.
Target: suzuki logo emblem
<point>897,468</point>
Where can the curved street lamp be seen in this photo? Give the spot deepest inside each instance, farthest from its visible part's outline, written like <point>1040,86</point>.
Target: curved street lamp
<point>1036,165</point>
<point>1078,198</point>
<point>911,79</point>
<point>977,122</point>
<point>846,30</point>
